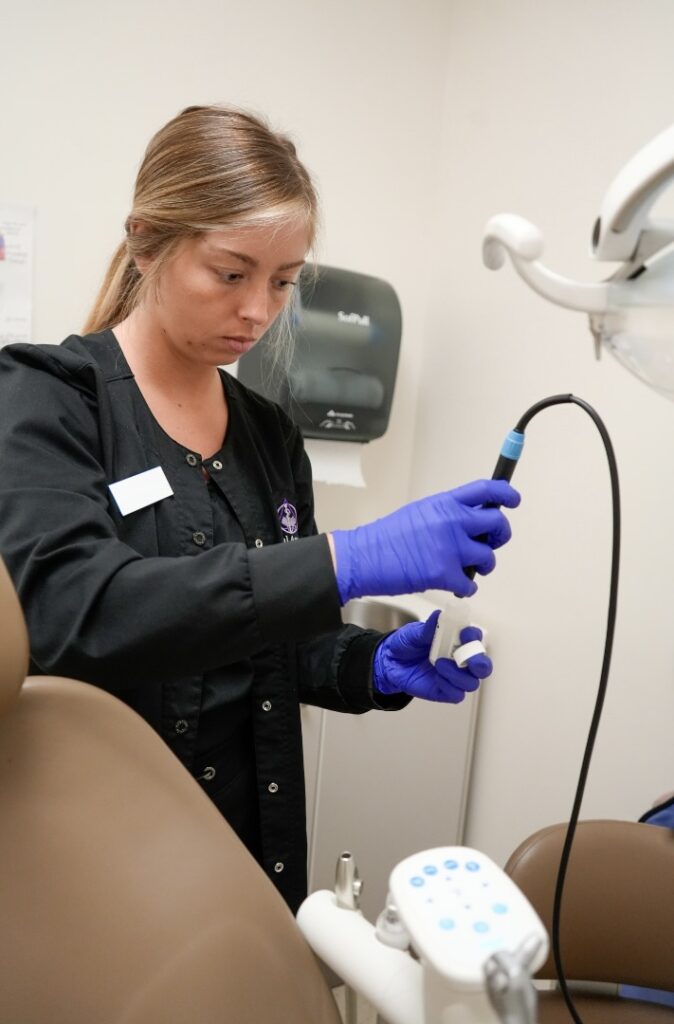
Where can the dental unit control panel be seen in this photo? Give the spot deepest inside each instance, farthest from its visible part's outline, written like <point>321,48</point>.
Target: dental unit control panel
<point>457,942</point>
<point>459,908</point>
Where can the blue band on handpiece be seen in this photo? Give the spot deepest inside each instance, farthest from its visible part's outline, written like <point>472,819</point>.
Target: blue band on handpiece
<point>513,445</point>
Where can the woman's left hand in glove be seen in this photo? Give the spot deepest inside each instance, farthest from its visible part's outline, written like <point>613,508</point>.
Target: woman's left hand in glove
<point>401,665</point>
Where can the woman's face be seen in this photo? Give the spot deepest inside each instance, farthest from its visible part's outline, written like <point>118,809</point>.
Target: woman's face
<point>221,291</point>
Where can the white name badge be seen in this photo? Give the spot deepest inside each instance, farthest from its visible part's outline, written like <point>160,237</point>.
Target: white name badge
<point>140,490</point>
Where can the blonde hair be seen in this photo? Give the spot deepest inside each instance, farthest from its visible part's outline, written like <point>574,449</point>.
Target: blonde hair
<point>209,168</point>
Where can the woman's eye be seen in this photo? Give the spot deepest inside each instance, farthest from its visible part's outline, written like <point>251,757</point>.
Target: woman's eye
<point>229,276</point>
<point>284,285</point>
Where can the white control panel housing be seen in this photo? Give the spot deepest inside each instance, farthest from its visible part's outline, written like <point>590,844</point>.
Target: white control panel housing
<point>459,908</point>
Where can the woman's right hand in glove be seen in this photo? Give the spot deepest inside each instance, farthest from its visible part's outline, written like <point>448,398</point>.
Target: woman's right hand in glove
<point>427,544</point>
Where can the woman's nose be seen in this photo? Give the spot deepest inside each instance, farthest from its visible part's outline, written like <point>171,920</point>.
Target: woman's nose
<point>254,305</point>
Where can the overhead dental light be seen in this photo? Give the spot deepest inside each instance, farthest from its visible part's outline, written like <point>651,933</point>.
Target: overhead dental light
<point>631,313</point>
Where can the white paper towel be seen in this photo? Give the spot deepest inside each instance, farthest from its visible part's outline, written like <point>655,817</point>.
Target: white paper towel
<point>336,462</point>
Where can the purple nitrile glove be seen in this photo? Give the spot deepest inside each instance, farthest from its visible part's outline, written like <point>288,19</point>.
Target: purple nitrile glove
<point>426,544</point>
<point>401,665</point>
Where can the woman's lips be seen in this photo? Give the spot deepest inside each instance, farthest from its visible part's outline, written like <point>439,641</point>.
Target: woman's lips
<point>239,343</point>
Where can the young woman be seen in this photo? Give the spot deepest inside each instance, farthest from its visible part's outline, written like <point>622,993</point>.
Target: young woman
<point>145,495</point>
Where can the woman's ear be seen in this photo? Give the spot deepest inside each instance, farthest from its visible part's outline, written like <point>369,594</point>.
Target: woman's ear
<point>138,227</point>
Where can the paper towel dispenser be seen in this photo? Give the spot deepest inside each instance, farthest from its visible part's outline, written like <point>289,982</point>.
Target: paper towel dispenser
<point>347,330</point>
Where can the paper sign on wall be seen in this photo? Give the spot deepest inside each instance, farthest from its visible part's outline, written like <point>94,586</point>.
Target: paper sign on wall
<point>16,273</point>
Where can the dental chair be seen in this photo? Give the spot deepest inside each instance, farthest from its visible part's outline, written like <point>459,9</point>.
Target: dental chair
<point>124,895</point>
<point>617,920</point>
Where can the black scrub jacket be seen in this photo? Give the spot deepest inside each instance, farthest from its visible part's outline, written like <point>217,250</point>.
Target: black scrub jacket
<point>149,605</point>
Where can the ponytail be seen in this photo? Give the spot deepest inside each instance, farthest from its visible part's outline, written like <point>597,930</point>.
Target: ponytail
<point>117,295</point>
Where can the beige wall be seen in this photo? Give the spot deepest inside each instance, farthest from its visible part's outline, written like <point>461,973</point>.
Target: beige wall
<point>420,120</point>
<point>544,103</point>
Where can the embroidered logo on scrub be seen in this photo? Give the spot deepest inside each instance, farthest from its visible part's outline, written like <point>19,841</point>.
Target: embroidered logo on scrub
<point>287,516</point>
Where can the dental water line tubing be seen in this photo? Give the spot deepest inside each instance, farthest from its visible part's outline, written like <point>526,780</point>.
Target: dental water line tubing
<point>505,467</point>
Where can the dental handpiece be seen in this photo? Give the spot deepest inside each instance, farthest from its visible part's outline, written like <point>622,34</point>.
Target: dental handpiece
<point>447,637</point>
<point>511,450</point>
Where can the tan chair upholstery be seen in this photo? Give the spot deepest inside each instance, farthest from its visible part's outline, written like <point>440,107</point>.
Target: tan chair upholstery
<point>124,896</point>
<point>13,643</point>
<point>617,922</point>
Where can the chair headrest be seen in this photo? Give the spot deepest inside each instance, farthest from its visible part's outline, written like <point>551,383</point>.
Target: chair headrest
<point>13,642</point>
